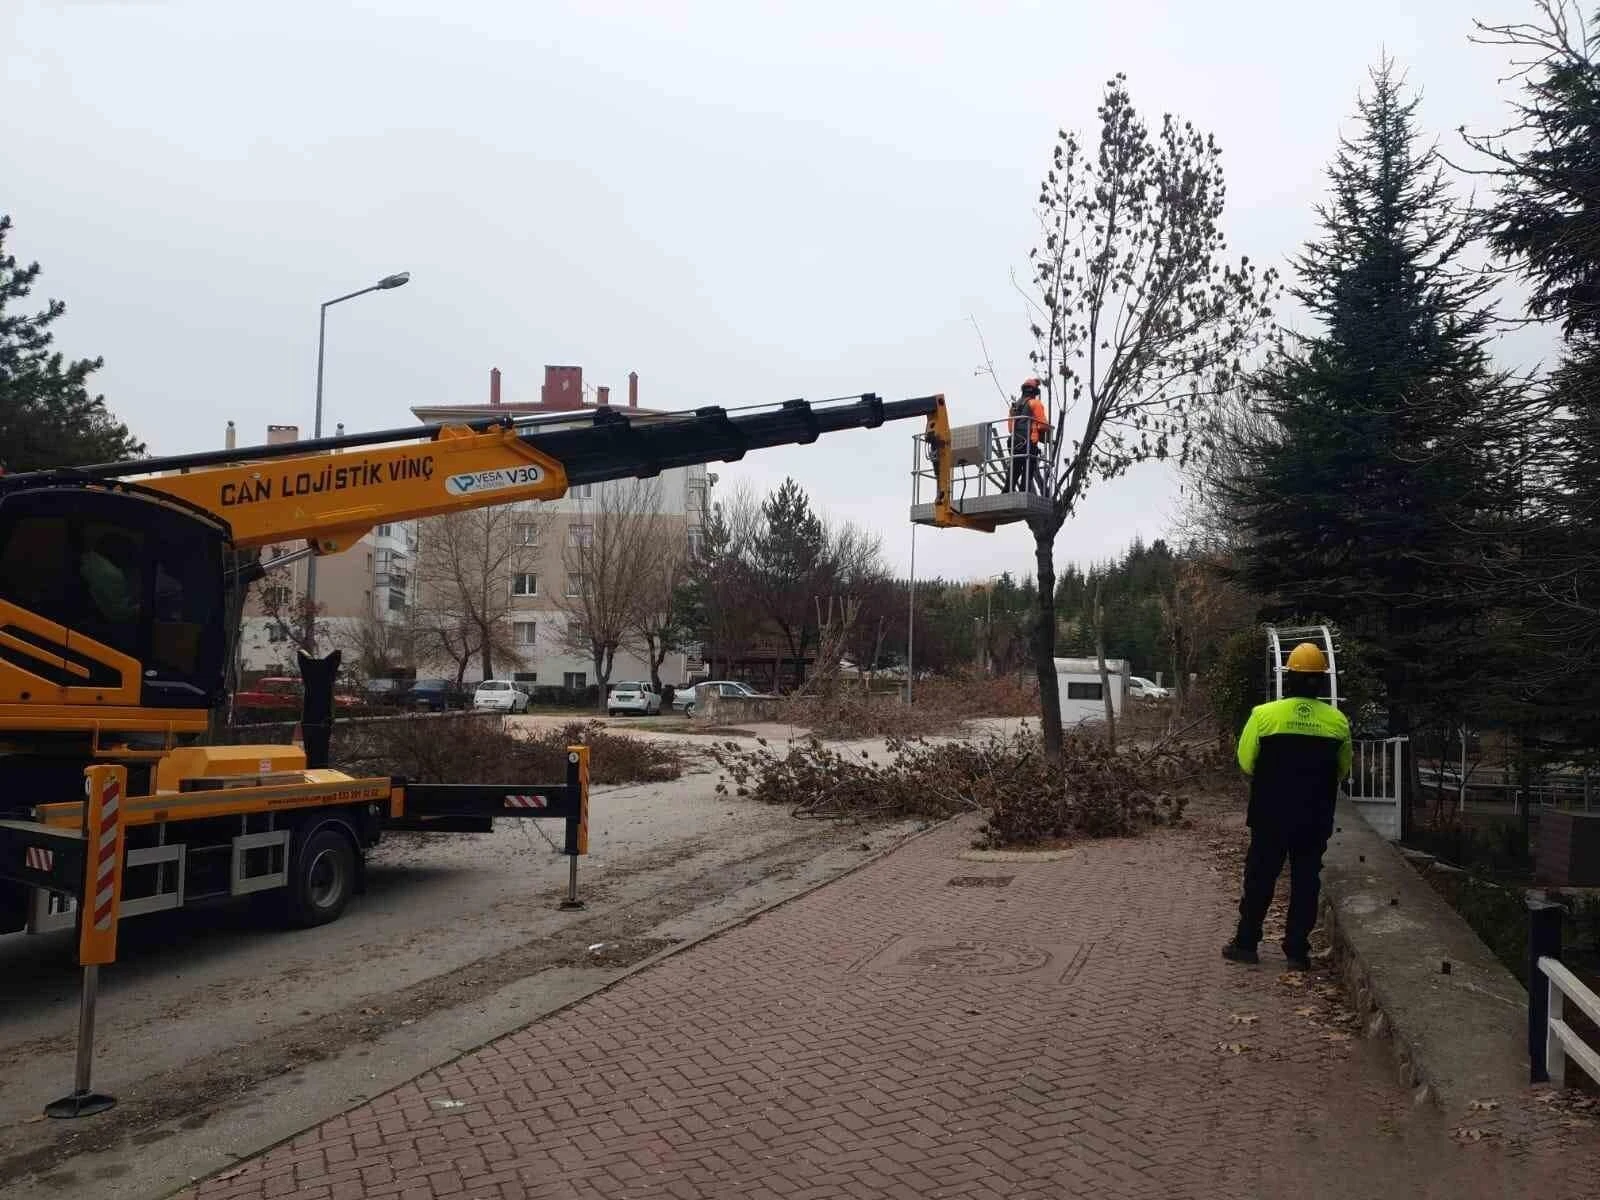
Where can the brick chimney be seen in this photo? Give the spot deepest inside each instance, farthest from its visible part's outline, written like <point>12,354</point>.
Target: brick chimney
<point>230,438</point>
<point>602,396</point>
<point>494,387</point>
<point>633,389</point>
<point>277,435</point>
<point>563,388</point>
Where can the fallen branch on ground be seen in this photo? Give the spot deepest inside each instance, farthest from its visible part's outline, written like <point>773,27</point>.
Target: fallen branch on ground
<point>1095,793</point>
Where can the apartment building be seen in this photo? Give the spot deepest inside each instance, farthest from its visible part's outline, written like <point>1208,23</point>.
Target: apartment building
<point>370,584</point>
<point>540,580</point>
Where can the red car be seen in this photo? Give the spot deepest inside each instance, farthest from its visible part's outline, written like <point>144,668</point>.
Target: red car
<point>282,693</point>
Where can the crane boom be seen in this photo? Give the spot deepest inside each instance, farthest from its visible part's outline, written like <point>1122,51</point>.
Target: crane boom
<point>333,491</point>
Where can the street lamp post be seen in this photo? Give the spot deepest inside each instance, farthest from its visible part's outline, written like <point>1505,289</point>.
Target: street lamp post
<point>400,279</point>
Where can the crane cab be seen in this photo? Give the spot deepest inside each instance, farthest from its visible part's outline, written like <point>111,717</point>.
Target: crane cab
<point>977,476</point>
<point>111,608</point>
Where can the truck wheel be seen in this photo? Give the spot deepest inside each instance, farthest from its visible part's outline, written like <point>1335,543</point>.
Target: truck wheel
<point>322,879</point>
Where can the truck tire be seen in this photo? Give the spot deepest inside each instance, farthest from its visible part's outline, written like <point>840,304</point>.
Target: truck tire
<point>321,880</point>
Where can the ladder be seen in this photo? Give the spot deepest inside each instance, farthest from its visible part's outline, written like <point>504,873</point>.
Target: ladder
<point>1281,642</point>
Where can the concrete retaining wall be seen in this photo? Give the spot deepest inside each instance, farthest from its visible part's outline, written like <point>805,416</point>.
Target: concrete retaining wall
<point>1458,1035</point>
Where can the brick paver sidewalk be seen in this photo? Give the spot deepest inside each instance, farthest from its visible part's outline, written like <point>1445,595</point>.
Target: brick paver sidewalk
<point>1070,1033</point>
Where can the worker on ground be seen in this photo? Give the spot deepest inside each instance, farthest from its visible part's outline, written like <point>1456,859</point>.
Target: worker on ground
<point>1029,426</point>
<point>1296,752</point>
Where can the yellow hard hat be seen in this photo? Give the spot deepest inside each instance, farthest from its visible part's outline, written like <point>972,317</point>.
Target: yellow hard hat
<point>1308,659</point>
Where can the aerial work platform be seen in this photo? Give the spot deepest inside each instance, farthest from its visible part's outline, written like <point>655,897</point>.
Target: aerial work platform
<point>990,483</point>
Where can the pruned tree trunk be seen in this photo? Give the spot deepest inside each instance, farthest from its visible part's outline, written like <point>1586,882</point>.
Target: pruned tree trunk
<point>1044,640</point>
<point>1100,659</point>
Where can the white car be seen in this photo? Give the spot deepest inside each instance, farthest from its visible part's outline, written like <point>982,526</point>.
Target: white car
<point>633,696</point>
<point>1142,689</point>
<point>500,695</point>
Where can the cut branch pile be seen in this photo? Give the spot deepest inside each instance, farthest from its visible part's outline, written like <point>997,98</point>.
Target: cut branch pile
<point>1095,793</point>
<point>482,752</point>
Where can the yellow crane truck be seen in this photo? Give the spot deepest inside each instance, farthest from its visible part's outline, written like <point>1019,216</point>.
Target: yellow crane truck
<point>114,595</point>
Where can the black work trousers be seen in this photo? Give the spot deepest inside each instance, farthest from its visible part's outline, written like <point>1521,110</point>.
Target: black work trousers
<point>1262,864</point>
<point>1024,465</point>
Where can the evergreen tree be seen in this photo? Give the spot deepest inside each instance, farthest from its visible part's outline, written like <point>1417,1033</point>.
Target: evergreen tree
<point>47,416</point>
<point>1381,493</point>
<point>1546,222</point>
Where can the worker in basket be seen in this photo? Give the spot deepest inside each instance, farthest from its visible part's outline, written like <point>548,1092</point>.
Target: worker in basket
<point>1029,425</point>
<point>1296,752</point>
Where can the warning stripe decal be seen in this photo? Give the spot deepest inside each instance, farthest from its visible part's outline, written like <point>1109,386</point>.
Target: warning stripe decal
<point>527,802</point>
<point>37,858</point>
<point>106,860</point>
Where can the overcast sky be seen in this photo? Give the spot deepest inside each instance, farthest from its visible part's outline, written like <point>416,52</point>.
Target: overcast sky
<point>741,201</point>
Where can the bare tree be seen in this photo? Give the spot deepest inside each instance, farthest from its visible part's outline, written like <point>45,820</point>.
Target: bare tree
<point>1138,322</point>
<point>467,565</point>
<point>291,615</point>
<point>614,547</point>
<point>375,648</point>
<point>660,620</point>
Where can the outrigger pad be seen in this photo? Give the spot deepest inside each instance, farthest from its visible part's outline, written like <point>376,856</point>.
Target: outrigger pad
<point>316,714</point>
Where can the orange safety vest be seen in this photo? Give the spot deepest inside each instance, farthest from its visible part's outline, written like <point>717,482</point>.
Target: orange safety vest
<point>1038,420</point>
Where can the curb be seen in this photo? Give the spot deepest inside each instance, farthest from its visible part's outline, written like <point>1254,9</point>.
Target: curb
<point>1419,976</point>
<point>623,975</point>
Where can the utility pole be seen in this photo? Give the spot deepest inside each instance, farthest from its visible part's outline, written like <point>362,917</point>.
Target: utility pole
<point>387,283</point>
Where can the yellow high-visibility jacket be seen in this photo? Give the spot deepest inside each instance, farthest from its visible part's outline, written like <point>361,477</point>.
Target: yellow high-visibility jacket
<point>1297,752</point>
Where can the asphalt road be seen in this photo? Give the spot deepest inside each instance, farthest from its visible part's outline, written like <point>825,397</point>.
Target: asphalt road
<point>220,1033</point>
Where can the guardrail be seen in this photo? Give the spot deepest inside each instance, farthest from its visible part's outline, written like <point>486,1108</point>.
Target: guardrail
<point>1551,1041</point>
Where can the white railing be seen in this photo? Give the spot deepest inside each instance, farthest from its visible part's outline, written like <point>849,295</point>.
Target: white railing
<point>1561,1043</point>
<point>1377,783</point>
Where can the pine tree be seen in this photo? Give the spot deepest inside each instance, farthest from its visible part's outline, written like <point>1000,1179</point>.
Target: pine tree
<point>1381,494</point>
<point>47,416</point>
<point>1545,221</point>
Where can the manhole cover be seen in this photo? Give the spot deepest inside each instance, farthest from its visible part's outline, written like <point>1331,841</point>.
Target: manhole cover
<point>975,958</point>
<point>989,881</point>
<point>971,958</point>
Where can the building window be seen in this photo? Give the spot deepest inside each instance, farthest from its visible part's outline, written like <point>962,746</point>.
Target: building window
<point>524,583</point>
<point>524,632</point>
<point>574,681</point>
<point>397,602</point>
<point>580,536</point>
<point>525,677</point>
<point>694,543</point>
<point>581,491</point>
<point>277,633</point>
<point>1084,691</point>
<point>275,595</point>
<point>384,530</point>
<point>577,584</point>
<point>527,535</point>
<point>575,631</point>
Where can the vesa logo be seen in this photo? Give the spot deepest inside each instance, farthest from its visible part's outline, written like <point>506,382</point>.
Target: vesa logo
<point>493,481</point>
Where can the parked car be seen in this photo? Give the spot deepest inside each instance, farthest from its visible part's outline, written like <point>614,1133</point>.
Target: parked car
<point>281,694</point>
<point>731,689</point>
<point>633,696</point>
<point>273,692</point>
<point>1142,689</point>
<point>434,695</point>
<point>500,695</point>
<point>383,693</point>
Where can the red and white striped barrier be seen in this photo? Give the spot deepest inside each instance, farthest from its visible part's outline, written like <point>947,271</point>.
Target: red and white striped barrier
<point>527,802</point>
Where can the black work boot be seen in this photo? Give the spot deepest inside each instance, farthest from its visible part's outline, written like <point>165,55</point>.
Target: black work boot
<point>1299,959</point>
<point>1236,951</point>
